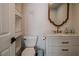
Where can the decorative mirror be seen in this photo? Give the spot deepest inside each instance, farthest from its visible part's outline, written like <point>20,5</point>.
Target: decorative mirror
<point>58,14</point>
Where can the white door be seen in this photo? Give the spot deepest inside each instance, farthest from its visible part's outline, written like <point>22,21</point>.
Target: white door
<point>7,25</point>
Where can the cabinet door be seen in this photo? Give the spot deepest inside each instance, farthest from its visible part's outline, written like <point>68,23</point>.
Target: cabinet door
<point>6,25</point>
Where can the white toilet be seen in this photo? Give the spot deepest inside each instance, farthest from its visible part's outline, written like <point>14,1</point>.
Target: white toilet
<point>30,42</point>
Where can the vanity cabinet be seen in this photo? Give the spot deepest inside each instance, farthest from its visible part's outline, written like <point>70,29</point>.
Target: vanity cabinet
<point>62,46</point>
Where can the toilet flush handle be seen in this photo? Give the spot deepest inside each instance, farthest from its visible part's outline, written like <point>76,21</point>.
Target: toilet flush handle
<point>44,37</point>
<point>24,39</point>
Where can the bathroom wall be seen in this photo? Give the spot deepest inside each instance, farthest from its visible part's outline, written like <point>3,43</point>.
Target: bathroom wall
<point>73,20</point>
<point>37,23</point>
<point>76,17</point>
<point>69,24</point>
<point>36,19</point>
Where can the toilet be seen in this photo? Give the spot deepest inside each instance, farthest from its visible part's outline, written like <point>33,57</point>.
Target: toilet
<point>30,42</point>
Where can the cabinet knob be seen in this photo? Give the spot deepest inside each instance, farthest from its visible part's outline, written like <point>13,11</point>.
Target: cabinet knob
<point>13,39</point>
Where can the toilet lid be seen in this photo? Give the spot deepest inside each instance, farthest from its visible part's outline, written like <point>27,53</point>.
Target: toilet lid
<point>28,52</point>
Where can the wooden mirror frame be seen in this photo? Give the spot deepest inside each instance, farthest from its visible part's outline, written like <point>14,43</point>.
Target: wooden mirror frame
<point>63,21</point>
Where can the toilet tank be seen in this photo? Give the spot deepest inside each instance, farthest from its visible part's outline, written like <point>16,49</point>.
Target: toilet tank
<point>30,41</point>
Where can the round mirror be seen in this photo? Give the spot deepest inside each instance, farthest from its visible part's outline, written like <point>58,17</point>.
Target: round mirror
<point>58,13</point>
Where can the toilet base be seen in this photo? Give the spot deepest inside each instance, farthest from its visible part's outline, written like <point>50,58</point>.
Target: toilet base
<point>28,52</point>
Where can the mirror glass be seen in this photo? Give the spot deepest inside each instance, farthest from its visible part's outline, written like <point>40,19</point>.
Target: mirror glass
<point>57,12</point>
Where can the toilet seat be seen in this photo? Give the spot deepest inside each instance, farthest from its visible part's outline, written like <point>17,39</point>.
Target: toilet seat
<point>28,52</point>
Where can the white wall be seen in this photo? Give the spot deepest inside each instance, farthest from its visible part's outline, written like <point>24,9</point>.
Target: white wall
<point>37,23</point>
<point>36,19</point>
<point>76,17</point>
